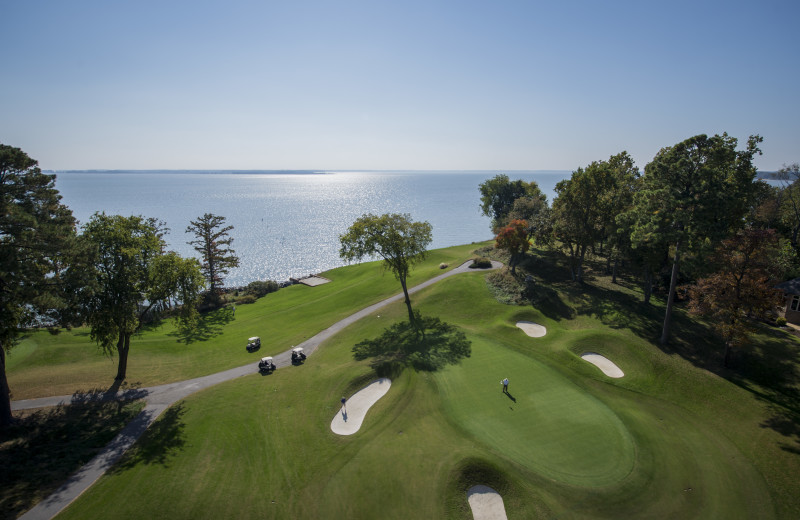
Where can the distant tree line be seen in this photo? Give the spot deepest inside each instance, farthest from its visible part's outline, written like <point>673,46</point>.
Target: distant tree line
<point>698,216</point>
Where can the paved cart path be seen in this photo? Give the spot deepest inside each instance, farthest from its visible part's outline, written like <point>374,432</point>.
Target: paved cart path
<point>159,398</point>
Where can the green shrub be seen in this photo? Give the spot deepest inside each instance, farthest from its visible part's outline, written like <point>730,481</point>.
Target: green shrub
<point>506,287</point>
<point>259,289</point>
<point>780,321</point>
<point>480,263</point>
<point>245,299</point>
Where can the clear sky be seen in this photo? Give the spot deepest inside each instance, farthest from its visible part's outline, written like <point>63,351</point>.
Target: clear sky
<point>401,84</point>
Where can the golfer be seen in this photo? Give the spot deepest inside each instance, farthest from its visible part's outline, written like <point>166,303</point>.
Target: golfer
<point>344,406</point>
<point>505,385</point>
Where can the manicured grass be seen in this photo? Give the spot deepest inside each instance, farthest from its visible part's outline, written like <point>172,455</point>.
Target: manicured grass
<point>669,440</point>
<point>545,423</point>
<point>70,361</point>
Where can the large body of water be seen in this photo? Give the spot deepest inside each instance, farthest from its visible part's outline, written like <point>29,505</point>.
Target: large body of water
<point>287,224</point>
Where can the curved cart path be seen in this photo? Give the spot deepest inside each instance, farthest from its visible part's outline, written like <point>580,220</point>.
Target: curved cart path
<point>159,398</point>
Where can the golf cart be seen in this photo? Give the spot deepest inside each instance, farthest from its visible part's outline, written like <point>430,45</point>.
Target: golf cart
<point>253,344</point>
<point>265,366</point>
<point>297,355</point>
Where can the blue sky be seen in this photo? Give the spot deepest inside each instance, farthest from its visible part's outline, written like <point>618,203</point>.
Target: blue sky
<point>501,85</point>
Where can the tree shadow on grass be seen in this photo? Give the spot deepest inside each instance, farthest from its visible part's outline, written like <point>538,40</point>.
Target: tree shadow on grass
<point>768,367</point>
<point>428,345</point>
<point>159,444</point>
<point>119,392</point>
<point>208,325</point>
<point>44,447</point>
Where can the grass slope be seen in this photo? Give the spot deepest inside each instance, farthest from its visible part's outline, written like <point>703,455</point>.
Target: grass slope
<point>669,440</point>
<point>70,361</point>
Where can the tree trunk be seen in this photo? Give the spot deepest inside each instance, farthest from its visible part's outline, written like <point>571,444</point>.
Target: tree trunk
<point>728,350</point>
<point>123,346</point>
<point>648,285</point>
<point>614,271</point>
<point>582,251</point>
<point>671,297</point>
<point>5,393</point>
<point>408,302</point>
<point>571,262</point>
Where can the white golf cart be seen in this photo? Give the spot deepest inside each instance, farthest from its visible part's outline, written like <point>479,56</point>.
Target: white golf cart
<point>253,344</point>
<point>298,356</point>
<point>266,365</point>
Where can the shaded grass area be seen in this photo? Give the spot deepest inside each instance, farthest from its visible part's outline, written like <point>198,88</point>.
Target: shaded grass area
<point>768,368</point>
<point>44,447</point>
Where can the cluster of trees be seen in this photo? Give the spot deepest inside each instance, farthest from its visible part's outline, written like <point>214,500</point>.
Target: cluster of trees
<point>697,214</point>
<point>113,276</point>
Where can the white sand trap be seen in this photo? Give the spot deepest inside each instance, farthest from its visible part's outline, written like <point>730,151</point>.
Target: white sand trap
<point>607,366</point>
<point>348,419</point>
<point>486,503</point>
<point>532,329</point>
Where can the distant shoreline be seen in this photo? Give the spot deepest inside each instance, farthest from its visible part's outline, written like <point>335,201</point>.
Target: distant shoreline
<point>307,172</point>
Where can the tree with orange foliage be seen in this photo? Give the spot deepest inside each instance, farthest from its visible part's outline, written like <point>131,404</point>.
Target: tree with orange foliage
<point>514,239</point>
<point>742,288</point>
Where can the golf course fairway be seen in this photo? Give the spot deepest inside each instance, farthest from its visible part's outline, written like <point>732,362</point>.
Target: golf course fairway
<point>669,440</point>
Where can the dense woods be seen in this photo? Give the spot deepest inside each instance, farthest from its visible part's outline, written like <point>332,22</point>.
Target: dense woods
<point>697,219</point>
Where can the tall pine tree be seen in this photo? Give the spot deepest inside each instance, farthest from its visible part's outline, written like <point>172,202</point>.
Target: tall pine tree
<point>213,242</point>
<point>37,237</point>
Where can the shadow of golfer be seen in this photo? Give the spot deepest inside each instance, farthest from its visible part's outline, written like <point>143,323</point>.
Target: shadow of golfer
<point>344,415</point>
<point>508,394</point>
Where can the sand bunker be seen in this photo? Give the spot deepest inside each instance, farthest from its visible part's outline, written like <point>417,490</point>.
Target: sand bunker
<point>348,419</point>
<point>607,366</point>
<point>486,503</point>
<point>532,329</point>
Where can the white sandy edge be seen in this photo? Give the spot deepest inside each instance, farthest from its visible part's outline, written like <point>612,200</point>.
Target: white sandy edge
<point>532,329</point>
<point>486,503</point>
<point>348,419</point>
<point>606,365</point>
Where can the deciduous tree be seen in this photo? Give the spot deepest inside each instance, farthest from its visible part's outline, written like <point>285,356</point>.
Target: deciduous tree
<point>213,242</point>
<point>742,288</point>
<point>615,202</point>
<point>133,276</point>
<point>694,194</point>
<point>533,209</point>
<point>37,238</point>
<point>578,211</point>
<point>789,201</point>
<point>499,193</point>
<point>396,238</point>
<point>514,239</point>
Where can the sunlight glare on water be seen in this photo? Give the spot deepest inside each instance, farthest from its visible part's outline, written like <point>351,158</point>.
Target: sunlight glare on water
<point>288,224</point>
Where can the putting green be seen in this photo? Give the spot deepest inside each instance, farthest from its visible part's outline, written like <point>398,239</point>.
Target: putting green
<point>546,423</point>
